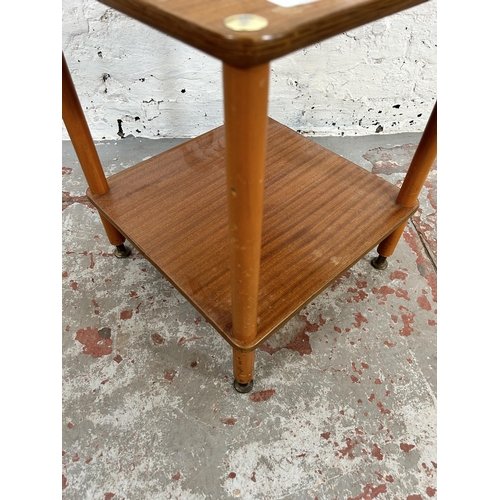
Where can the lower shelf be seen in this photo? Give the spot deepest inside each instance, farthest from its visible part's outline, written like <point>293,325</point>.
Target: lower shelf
<point>322,214</point>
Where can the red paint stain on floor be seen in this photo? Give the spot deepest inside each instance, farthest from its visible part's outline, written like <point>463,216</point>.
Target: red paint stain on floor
<point>259,396</point>
<point>359,297</point>
<point>64,482</point>
<point>382,292</point>
<point>232,475</point>
<point>93,343</point>
<point>169,374</point>
<point>176,476</point>
<point>430,491</point>
<point>377,453</point>
<point>300,343</point>
<point>108,496</point>
<point>432,282</point>
<point>385,477</point>
<point>408,319</point>
<point>411,239</point>
<point>127,314</point>
<point>424,303</point>
<point>183,340</point>
<point>398,275</point>
<point>325,435</point>
<point>359,319</point>
<point>66,170</point>
<point>400,293</point>
<point>353,364</point>
<point>425,267</point>
<point>406,447</point>
<point>383,410</point>
<point>157,339</point>
<point>348,449</point>
<point>228,421</point>
<point>428,470</point>
<point>432,189</point>
<point>370,492</point>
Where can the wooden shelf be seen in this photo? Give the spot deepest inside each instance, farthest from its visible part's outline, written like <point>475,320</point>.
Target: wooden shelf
<point>322,214</point>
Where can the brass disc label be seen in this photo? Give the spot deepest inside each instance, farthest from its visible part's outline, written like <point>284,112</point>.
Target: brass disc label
<point>246,22</point>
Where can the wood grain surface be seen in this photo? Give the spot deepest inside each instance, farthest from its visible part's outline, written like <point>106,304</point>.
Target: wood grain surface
<point>322,214</point>
<point>199,23</point>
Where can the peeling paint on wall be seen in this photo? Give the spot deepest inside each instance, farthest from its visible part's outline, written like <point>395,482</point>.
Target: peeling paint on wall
<point>378,78</point>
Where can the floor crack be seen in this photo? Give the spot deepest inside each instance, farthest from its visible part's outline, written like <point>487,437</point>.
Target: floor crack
<point>426,246</point>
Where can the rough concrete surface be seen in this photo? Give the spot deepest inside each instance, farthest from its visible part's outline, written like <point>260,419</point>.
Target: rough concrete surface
<point>344,402</point>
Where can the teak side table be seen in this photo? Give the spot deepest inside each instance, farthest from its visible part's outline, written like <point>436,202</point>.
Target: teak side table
<point>251,220</point>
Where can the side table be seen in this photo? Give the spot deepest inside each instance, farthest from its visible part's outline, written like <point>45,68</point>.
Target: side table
<point>250,221</point>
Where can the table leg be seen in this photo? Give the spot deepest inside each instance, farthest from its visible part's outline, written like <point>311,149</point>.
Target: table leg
<point>414,180</point>
<point>79,132</point>
<point>245,112</point>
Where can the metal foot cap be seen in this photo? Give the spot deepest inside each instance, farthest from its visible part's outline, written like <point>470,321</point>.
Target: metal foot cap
<point>243,388</point>
<point>122,251</point>
<point>379,262</point>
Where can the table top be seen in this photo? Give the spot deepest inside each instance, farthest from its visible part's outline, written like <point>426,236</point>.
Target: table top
<point>246,33</point>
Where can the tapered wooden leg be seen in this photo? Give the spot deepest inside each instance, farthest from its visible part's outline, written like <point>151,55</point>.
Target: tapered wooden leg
<point>245,112</point>
<point>79,132</point>
<point>115,238</point>
<point>408,195</point>
<point>243,369</point>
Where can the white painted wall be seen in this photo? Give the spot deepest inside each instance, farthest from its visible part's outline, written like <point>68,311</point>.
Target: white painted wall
<point>379,75</point>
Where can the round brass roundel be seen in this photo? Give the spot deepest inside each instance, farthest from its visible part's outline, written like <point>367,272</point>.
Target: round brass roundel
<point>245,22</point>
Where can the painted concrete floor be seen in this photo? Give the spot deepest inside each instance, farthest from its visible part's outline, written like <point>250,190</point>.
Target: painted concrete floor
<point>344,401</point>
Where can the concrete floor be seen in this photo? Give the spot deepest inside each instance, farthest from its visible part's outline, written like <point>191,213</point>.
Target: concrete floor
<point>344,401</point>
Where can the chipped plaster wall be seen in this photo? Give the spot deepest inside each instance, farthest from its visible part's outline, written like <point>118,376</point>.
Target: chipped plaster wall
<point>379,78</point>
